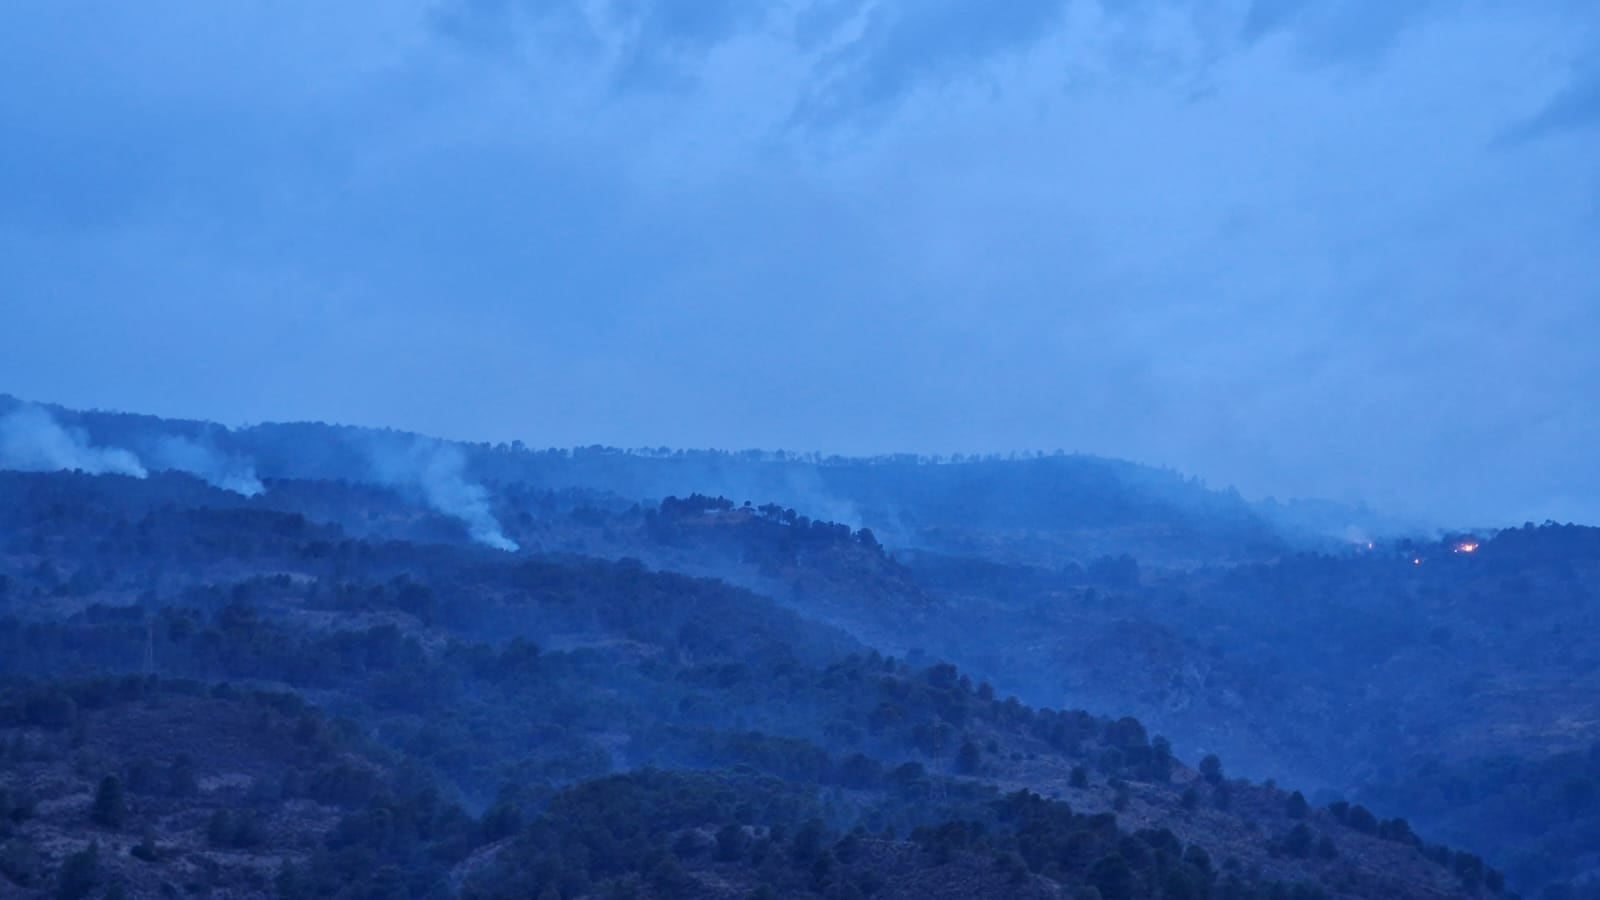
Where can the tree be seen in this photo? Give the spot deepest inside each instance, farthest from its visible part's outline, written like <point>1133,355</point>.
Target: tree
<point>1397,830</point>
<point>1299,841</point>
<point>668,877</point>
<point>1113,878</point>
<point>110,808</point>
<point>181,780</point>
<point>1160,767</point>
<point>1211,768</point>
<point>1362,820</point>
<point>1013,865</point>
<point>53,709</point>
<point>969,759</point>
<point>1296,807</point>
<point>146,849</point>
<point>1222,797</point>
<point>143,777</point>
<point>502,820</point>
<point>290,882</point>
<point>19,861</point>
<point>219,830</point>
<point>79,873</point>
<point>732,843</point>
<point>808,841</point>
<point>847,848</point>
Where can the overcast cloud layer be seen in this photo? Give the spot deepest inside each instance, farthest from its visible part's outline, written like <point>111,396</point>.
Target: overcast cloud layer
<point>1306,247</point>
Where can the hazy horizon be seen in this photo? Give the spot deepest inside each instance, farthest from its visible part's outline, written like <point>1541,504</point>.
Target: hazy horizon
<point>1306,248</point>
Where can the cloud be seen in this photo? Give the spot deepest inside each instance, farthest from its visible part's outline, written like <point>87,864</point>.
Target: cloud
<point>663,28</point>
<point>1272,245</point>
<point>1575,107</point>
<point>854,58</point>
<point>906,45</point>
<point>648,45</point>
<point>1337,30</point>
<point>501,27</point>
<point>31,440</point>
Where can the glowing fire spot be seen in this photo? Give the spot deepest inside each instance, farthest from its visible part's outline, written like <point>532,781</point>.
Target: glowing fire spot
<point>1467,548</point>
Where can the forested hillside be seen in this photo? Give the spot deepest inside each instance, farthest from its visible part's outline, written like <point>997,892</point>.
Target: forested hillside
<point>205,694</point>
<point>1039,508</point>
<point>490,624</point>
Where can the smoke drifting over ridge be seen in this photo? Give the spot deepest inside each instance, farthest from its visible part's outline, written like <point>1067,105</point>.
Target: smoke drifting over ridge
<point>217,469</point>
<point>31,440</point>
<point>437,471</point>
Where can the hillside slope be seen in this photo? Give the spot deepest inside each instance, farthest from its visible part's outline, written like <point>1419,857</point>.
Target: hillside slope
<point>524,689</point>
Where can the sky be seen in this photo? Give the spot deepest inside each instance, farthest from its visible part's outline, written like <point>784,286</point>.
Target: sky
<point>1309,248</point>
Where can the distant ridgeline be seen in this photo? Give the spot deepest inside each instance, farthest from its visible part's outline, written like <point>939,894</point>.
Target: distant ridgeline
<point>1085,506</point>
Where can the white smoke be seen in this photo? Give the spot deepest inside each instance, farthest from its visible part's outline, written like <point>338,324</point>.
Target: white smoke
<point>438,471</point>
<point>216,469</point>
<point>31,440</point>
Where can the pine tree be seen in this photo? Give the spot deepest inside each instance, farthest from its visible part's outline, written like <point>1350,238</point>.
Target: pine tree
<point>79,873</point>
<point>1297,807</point>
<point>110,808</point>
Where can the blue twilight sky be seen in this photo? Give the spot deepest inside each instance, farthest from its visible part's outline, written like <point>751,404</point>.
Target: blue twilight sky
<point>1342,248</point>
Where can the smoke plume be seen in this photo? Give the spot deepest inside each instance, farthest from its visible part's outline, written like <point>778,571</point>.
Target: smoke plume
<point>31,440</point>
<point>217,469</point>
<point>437,471</point>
